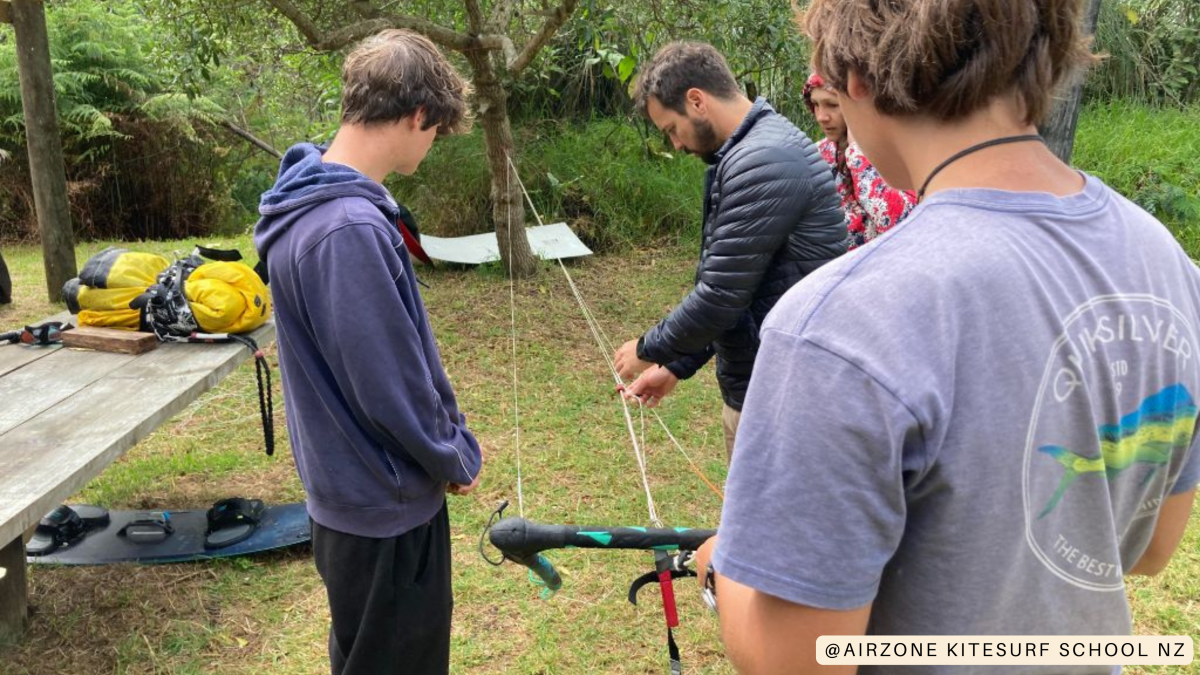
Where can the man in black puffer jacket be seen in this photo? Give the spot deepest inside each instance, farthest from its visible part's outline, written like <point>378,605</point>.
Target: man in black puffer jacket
<point>771,216</point>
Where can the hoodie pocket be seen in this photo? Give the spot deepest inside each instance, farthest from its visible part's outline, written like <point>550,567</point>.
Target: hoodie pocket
<point>411,481</point>
<point>399,482</point>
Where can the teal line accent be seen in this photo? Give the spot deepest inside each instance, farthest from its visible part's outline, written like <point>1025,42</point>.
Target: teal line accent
<point>602,538</point>
<point>682,529</point>
<point>665,547</point>
<point>639,529</point>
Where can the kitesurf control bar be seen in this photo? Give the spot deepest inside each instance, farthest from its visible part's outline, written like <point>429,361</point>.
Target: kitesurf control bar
<point>522,541</point>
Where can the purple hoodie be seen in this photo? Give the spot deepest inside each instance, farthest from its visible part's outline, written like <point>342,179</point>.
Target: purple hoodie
<point>374,425</point>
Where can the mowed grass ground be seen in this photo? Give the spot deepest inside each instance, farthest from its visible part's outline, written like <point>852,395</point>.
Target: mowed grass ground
<point>268,614</point>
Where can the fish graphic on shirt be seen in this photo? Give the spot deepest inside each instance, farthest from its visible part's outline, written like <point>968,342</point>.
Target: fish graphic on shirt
<point>1162,424</point>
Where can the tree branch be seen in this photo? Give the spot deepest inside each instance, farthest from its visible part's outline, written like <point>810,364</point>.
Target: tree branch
<point>355,32</point>
<point>364,8</point>
<point>446,37</point>
<point>474,17</point>
<point>531,48</point>
<point>506,47</point>
<point>298,19</point>
<point>251,138</point>
<point>502,14</point>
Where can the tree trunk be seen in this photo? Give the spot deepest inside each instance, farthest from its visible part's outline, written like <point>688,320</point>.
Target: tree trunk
<point>508,207</point>
<point>1059,130</point>
<point>46,167</point>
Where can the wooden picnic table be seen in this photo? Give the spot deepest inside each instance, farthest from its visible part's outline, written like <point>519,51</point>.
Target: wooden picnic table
<point>65,414</point>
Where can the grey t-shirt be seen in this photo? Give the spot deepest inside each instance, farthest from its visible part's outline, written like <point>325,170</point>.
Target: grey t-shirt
<point>973,421</point>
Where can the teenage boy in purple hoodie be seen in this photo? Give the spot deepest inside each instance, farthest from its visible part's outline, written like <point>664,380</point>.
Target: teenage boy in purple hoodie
<point>375,430</point>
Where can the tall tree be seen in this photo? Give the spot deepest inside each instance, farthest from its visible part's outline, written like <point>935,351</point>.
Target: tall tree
<point>46,167</point>
<point>493,58</point>
<point>1059,130</point>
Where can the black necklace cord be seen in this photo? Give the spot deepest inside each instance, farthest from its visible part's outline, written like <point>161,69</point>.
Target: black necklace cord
<point>973,149</point>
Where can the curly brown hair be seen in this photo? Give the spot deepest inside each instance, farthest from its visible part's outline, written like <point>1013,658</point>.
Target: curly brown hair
<point>678,67</point>
<point>394,73</point>
<point>949,58</point>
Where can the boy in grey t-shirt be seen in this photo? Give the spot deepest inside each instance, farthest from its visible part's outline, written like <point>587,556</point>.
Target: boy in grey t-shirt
<point>980,423</point>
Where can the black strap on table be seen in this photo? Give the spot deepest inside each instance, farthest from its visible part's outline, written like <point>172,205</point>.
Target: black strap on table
<point>266,405</point>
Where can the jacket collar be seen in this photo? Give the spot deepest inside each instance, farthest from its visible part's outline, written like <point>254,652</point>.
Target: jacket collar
<point>760,108</point>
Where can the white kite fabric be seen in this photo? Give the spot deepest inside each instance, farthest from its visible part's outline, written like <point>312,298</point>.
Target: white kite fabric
<point>549,242</point>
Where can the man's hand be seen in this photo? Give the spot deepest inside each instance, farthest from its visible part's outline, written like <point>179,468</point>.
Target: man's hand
<point>627,362</point>
<point>700,560</point>
<point>652,386</point>
<point>462,490</point>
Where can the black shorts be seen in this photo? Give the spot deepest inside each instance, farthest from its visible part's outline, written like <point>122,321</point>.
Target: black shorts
<point>390,599</point>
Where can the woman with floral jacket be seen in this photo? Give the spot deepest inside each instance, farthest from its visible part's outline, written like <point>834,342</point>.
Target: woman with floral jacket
<point>871,206</point>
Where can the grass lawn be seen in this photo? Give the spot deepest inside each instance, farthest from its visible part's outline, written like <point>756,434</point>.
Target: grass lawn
<point>267,614</point>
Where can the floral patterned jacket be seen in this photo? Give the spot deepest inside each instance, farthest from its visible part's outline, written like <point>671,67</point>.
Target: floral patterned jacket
<point>871,207</point>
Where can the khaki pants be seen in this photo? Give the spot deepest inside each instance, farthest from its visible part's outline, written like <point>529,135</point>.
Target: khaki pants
<point>729,422</point>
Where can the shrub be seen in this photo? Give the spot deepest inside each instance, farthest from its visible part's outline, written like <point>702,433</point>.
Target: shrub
<point>1148,155</point>
<point>139,159</point>
<point>1153,52</point>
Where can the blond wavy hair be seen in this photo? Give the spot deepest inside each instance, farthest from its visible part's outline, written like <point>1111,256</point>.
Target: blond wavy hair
<point>949,58</point>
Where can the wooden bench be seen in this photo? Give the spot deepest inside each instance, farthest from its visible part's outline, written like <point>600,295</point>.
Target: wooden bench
<point>65,414</point>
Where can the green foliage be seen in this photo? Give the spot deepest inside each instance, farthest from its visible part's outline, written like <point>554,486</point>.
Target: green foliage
<point>601,181</point>
<point>1153,52</point>
<point>1148,155</point>
<point>141,85</point>
<point>760,40</point>
<point>99,55</point>
<point>287,95</point>
<point>589,70</point>
<point>585,71</point>
<point>138,156</point>
<point>245,58</point>
<point>597,177</point>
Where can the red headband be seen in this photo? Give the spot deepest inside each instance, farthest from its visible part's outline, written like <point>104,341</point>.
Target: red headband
<point>815,81</point>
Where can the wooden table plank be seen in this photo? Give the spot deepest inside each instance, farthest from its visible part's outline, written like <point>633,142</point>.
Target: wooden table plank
<point>41,384</point>
<point>14,357</point>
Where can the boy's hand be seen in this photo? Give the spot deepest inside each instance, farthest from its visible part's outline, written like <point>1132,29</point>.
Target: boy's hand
<point>459,489</point>
<point>462,490</point>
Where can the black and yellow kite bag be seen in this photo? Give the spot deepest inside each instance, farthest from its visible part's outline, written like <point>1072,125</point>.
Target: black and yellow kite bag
<point>119,288</point>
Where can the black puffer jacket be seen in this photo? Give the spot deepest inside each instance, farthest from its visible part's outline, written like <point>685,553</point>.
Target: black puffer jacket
<point>771,216</point>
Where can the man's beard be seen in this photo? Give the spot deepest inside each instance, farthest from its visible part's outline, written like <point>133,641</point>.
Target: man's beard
<point>707,143</point>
